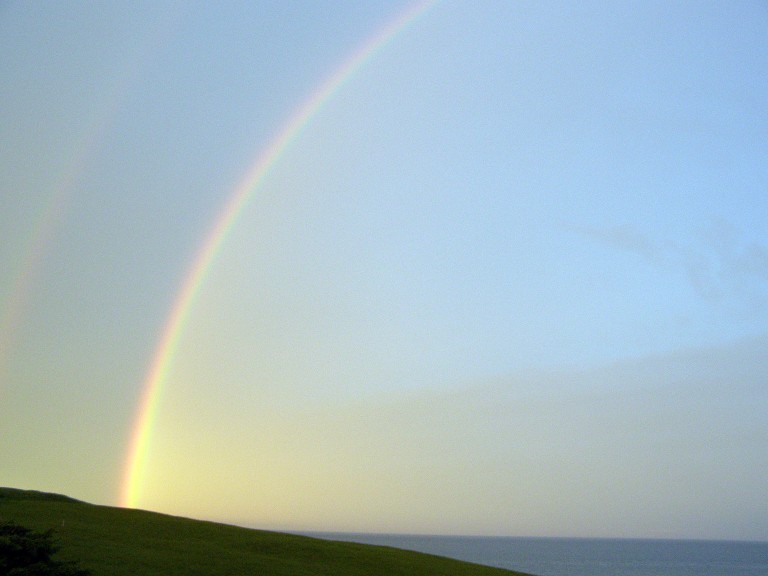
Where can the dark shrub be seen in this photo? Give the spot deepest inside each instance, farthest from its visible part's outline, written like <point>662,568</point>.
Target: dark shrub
<point>24,552</point>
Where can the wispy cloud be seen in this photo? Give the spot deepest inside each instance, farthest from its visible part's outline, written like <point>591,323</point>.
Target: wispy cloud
<point>718,260</point>
<point>629,239</point>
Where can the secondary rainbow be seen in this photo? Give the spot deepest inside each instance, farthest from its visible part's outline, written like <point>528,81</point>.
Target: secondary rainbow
<point>39,240</point>
<point>63,190</point>
<point>135,463</point>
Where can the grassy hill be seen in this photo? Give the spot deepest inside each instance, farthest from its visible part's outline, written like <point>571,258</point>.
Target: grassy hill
<point>112,541</point>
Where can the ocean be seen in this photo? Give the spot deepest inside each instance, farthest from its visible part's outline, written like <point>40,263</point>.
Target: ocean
<point>587,556</point>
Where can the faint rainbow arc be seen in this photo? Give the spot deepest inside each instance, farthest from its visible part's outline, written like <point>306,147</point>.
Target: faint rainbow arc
<point>64,187</point>
<point>135,464</point>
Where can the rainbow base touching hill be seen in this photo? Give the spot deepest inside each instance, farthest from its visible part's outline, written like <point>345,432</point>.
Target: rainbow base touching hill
<point>111,541</point>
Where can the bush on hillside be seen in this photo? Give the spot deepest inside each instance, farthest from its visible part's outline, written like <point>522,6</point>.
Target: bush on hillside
<point>24,552</point>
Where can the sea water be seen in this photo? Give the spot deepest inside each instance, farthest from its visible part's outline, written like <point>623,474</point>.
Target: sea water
<point>586,556</point>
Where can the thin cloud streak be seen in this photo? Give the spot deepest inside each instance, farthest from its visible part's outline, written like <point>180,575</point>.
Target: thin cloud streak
<point>718,262</point>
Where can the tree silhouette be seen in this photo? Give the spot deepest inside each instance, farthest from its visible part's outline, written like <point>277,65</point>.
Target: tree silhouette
<point>24,552</point>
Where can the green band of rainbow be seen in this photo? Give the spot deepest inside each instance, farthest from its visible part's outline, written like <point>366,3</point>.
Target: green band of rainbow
<point>134,471</point>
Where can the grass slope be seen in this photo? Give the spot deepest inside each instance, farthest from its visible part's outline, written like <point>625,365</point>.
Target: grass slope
<point>115,542</point>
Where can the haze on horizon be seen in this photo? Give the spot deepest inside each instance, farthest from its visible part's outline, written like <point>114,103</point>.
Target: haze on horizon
<point>511,279</point>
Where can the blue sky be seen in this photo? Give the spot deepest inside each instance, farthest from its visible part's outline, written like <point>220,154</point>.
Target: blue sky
<point>512,278</point>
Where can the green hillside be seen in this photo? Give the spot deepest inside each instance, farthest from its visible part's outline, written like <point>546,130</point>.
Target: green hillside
<point>112,541</point>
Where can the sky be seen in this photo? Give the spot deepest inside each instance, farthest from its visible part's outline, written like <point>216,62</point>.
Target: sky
<point>505,271</point>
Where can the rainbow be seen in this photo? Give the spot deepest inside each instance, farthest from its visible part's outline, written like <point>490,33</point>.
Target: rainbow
<point>38,242</point>
<point>135,463</point>
<point>59,199</point>
<point>13,309</point>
